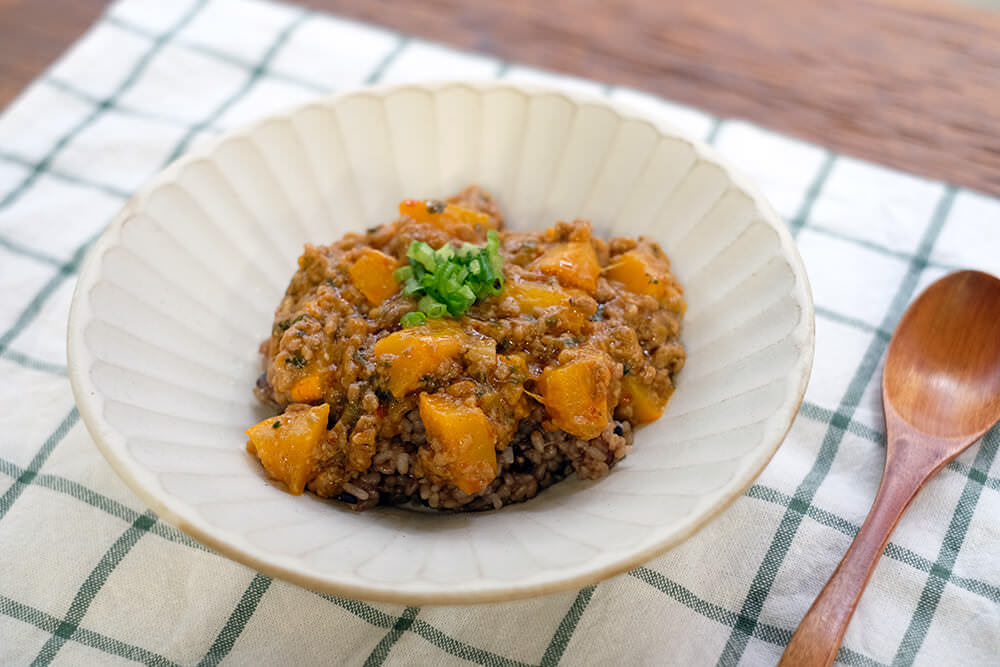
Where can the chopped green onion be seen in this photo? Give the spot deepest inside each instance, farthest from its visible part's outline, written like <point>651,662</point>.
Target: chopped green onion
<point>422,253</point>
<point>413,319</point>
<point>431,306</point>
<point>451,279</point>
<point>462,299</point>
<point>444,253</point>
<point>411,286</point>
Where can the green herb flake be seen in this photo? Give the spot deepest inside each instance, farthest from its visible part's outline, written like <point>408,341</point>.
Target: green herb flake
<point>351,415</point>
<point>626,369</point>
<point>515,374</point>
<point>598,314</point>
<point>297,361</point>
<point>281,327</point>
<point>276,424</point>
<point>435,206</point>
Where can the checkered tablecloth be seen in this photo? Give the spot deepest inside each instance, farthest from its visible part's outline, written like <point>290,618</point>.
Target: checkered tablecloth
<point>88,575</point>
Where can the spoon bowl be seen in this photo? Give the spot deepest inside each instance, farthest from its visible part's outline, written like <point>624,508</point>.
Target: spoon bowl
<point>941,393</point>
<point>942,375</point>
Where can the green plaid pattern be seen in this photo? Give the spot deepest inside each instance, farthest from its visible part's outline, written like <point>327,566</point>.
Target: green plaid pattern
<point>91,576</point>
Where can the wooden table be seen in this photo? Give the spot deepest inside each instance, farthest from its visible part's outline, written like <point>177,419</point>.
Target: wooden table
<point>913,84</point>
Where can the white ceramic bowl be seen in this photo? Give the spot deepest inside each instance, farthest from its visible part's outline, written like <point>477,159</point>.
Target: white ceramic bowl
<point>178,292</point>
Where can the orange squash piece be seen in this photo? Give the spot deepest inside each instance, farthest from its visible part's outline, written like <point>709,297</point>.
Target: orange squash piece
<point>286,445</point>
<point>308,389</point>
<point>415,352</point>
<point>372,274</point>
<point>447,217</point>
<point>573,263</point>
<point>646,405</point>
<point>641,273</point>
<point>576,394</point>
<point>638,273</point>
<point>464,440</point>
<point>531,296</point>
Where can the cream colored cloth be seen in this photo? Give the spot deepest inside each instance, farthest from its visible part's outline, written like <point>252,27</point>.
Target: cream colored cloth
<point>91,576</point>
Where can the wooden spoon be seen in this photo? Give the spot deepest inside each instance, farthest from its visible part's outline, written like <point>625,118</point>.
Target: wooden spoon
<point>941,393</point>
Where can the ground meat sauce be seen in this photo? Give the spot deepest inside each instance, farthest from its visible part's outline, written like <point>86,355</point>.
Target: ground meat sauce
<point>547,378</point>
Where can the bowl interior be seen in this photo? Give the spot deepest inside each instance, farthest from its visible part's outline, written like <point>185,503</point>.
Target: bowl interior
<point>176,296</point>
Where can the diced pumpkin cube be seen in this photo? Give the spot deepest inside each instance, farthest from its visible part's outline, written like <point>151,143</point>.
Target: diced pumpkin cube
<point>463,441</point>
<point>642,273</point>
<point>286,445</point>
<point>531,296</point>
<point>573,263</point>
<point>308,389</point>
<point>372,274</point>
<point>576,394</point>
<point>413,353</point>
<point>633,271</point>
<point>444,216</point>
<point>647,406</point>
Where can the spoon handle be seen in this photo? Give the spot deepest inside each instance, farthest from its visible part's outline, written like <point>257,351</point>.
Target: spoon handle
<point>818,637</point>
